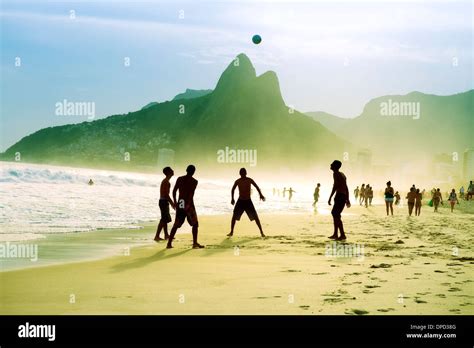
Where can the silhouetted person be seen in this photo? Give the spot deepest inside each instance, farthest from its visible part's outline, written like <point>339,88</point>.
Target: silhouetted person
<point>290,194</point>
<point>342,198</point>
<point>164,204</point>
<point>461,192</point>
<point>362,194</point>
<point>397,198</point>
<point>90,183</point>
<point>418,199</point>
<point>316,194</point>
<point>370,196</point>
<point>411,197</point>
<point>284,191</point>
<point>437,198</point>
<point>470,191</point>
<point>185,206</point>
<point>244,202</point>
<point>389,195</point>
<point>453,199</point>
<point>356,193</point>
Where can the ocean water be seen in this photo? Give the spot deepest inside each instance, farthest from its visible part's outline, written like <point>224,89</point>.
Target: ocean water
<point>36,200</point>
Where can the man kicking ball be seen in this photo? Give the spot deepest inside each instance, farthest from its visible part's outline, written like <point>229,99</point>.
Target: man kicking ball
<point>244,203</point>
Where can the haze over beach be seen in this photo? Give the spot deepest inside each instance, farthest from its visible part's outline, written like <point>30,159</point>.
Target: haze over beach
<point>90,129</point>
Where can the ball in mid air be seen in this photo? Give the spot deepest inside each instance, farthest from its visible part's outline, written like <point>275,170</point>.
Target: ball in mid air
<point>256,39</point>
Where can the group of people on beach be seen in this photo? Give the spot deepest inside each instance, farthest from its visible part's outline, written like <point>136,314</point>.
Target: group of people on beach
<point>276,192</point>
<point>185,209</point>
<point>365,194</point>
<point>186,186</point>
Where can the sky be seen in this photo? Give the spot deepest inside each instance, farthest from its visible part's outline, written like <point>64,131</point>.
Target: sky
<point>331,56</point>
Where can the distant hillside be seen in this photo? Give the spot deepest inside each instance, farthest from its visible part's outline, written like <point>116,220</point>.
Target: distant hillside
<point>192,93</point>
<point>331,122</point>
<point>391,127</point>
<point>244,111</point>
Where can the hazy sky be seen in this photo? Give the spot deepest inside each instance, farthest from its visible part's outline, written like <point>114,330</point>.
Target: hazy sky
<point>329,56</point>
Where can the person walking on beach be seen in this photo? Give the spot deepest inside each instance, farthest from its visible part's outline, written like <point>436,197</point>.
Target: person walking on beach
<point>411,197</point>
<point>453,199</point>
<point>461,192</point>
<point>437,198</point>
<point>389,197</point>
<point>185,210</point>
<point>397,198</point>
<point>164,204</point>
<point>370,195</point>
<point>418,199</point>
<point>470,191</point>
<point>340,200</point>
<point>356,193</point>
<point>284,191</point>
<point>244,202</point>
<point>290,194</point>
<point>361,194</point>
<point>316,194</point>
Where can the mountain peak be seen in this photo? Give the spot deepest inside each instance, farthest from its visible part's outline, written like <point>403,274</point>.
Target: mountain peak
<point>238,72</point>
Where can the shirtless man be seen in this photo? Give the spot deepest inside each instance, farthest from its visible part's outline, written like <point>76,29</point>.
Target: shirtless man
<point>164,203</point>
<point>411,196</point>
<point>437,198</point>
<point>362,194</point>
<point>244,203</point>
<point>418,199</point>
<point>185,206</point>
<point>342,198</point>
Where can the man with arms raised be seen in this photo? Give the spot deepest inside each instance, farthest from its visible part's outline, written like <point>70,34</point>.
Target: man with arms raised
<point>244,203</point>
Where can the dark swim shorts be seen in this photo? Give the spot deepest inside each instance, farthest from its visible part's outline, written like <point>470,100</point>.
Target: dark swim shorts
<point>247,206</point>
<point>165,211</point>
<point>189,214</point>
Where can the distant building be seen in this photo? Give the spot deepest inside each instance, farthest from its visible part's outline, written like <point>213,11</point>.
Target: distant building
<point>165,158</point>
<point>468,164</point>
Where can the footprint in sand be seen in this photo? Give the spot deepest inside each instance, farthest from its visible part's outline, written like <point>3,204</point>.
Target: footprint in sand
<point>305,307</point>
<point>382,265</point>
<point>357,311</point>
<point>367,291</point>
<point>438,271</point>
<point>292,270</point>
<point>454,289</point>
<point>441,295</point>
<point>372,286</point>
<point>417,300</point>
<point>384,310</point>
<point>455,310</point>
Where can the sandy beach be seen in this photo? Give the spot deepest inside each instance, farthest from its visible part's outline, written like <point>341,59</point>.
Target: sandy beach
<point>392,265</point>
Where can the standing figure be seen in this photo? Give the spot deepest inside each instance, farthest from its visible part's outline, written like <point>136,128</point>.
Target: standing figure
<point>340,200</point>
<point>185,210</point>
<point>244,203</point>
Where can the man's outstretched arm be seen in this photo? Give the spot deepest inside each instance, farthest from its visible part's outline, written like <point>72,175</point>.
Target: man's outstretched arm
<point>232,201</point>
<point>258,189</point>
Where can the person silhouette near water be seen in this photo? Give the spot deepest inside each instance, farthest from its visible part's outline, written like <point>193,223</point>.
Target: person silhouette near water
<point>389,195</point>
<point>397,198</point>
<point>316,194</point>
<point>418,199</point>
<point>186,185</point>
<point>361,194</point>
<point>284,191</point>
<point>340,200</point>
<point>356,193</point>
<point>290,194</point>
<point>453,199</point>
<point>244,202</point>
<point>411,197</point>
<point>437,198</point>
<point>164,204</point>
<point>91,182</point>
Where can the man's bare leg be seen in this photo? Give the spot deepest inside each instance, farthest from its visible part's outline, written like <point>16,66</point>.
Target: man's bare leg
<point>257,221</point>
<point>232,225</point>
<point>158,230</point>
<point>171,236</point>
<point>196,245</point>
